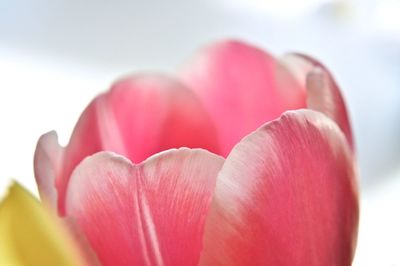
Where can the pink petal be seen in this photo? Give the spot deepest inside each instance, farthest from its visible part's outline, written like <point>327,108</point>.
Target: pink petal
<point>242,87</point>
<point>138,117</point>
<point>156,113</point>
<point>48,155</point>
<point>47,158</point>
<point>85,140</point>
<point>152,213</point>
<point>323,94</point>
<point>81,242</point>
<point>286,195</point>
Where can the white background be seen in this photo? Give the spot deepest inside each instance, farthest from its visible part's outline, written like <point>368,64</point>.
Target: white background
<point>55,56</point>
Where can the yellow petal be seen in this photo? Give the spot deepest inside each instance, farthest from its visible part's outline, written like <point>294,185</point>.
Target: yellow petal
<point>30,235</point>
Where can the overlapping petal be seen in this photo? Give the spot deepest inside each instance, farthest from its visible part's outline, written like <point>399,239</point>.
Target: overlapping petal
<point>152,213</point>
<point>47,160</point>
<point>242,87</point>
<point>286,195</point>
<point>140,116</point>
<point>323,93</point>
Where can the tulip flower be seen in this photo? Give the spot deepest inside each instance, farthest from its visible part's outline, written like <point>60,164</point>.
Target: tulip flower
<point>241,159</point>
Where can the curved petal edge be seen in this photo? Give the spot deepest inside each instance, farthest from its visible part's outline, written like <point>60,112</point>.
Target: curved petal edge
<point>242,87</point>
<point>47,158</point>
<point>151,213</point>
<point>286,195</point>
<point>323,93</point>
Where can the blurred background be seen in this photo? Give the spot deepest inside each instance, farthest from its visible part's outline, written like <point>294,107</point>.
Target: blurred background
<point>55,56</point>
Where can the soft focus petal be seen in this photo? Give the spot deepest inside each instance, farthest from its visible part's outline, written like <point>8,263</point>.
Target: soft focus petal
<point>138,117</point>
<point>29,235</point>
<point>48,156</point>
<point>242,87</point>
<point>156,113</point>
<point>286,195</point>
<point>323,94</point>
<point>152,213</point>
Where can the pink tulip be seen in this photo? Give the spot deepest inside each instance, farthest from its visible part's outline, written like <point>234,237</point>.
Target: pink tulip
<point>257,184</point>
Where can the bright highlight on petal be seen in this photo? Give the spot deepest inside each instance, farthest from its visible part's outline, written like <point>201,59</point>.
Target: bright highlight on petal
<point>29,235</point>
<point>151,213</point>
<point>286,195</point>
<point>323,93</point>
<point>48,156</point>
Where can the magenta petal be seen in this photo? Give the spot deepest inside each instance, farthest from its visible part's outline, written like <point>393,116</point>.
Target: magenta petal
<point>242,87</point>
<point>138,117</point>
<point>48,155</point>
<point>152,213</point>
<point>286,195</point>
<point>323,94</point>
